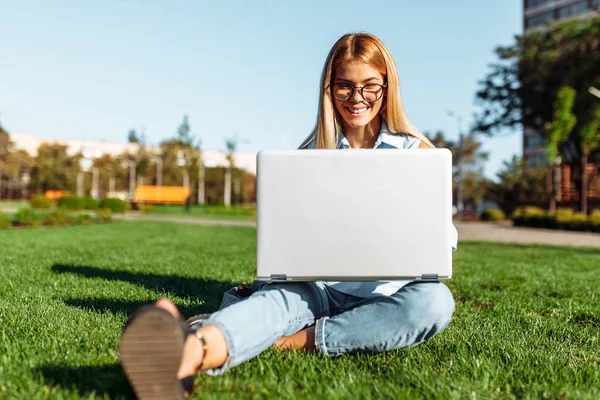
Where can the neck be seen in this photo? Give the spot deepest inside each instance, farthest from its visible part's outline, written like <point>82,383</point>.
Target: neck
<point>363,136</point>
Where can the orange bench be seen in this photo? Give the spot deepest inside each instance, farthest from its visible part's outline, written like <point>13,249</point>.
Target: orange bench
<point>161,194</point>
<point>56,194</point>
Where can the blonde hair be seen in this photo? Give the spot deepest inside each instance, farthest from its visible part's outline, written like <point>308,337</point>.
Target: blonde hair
<point>369,49</point>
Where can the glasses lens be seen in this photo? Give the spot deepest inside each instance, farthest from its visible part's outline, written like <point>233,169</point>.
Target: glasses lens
<point>341,91</point>
<point>372,92</point>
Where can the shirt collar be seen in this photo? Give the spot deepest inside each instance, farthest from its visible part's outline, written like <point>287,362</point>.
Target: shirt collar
<point>383,133</point>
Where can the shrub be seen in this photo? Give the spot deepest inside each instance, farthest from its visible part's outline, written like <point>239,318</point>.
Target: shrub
<point>578,222</point>
<point>57,217</point>
<point>529,216</point>
<point>83,219</point>
<point>41,202</point>
<point>89,203</point>
<point>595,217</point>
<point>105,214</point>
<point>28,217</point>
<point>114,204</point>
<point>493,214</point>
<point>71,203</point>
<point>5,220</point>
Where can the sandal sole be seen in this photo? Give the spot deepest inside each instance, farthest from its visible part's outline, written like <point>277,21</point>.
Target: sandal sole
<point>151,348</point>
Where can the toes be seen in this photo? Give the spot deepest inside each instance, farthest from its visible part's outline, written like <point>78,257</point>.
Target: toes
<point>168,305</point>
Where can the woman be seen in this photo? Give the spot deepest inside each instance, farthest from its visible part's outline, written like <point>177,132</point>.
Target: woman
<point>360,106</point>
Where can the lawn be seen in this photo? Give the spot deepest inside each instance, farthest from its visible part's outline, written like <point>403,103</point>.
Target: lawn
<point>526,324</point>
<point>210,212</point>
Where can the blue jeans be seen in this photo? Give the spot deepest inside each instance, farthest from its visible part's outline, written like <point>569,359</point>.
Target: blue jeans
<point>343,323</point>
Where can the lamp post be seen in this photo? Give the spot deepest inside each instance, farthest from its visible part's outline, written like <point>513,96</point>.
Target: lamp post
<point>201,180</point>
<point>459,163</point>
<point>131,165</point>
<point>181,162</point>
<point>85,164</point>
<point>159,168</point>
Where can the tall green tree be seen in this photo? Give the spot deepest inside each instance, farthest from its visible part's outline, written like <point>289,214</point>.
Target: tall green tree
<point>474,157</point>
<point>590,141</point>
<point>558,131</point>
<point>54,169</point>
<point>528,73</point>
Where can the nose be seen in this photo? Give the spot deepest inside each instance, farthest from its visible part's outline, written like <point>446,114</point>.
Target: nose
<point>356,96</point>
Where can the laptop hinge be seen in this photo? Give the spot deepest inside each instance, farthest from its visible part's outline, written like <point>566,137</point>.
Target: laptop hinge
<point>278,277</point>
<point>429,277</point>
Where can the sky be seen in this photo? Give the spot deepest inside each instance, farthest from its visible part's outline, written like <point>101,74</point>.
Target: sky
<point>249,69</point>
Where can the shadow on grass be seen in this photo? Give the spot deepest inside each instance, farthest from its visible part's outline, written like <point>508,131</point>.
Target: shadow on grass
<point>99,381</point>
<point>209,291</point>
<point>126,307</point>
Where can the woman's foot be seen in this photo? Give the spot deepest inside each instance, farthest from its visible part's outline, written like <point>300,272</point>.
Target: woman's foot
<point>157,354</point>
<point>193,353</point>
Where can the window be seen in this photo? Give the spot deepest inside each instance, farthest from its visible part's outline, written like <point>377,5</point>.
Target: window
<point>539,19</point>
<point>534,141</point>
<point>596,4</point>
<point>535,3</point>
<point>573,9</point>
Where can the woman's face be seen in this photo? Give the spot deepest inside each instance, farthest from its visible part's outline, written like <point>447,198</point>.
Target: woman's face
<point>356,111</point>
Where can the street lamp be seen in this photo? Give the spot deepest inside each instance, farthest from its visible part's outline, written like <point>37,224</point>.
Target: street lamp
<point>594,91</point>
<point>131,165</point>
<point>459,163</point>
<point>181,162</point>
<point>159,167</point>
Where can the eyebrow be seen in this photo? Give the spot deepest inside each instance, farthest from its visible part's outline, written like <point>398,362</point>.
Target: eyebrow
<point>349,81</point>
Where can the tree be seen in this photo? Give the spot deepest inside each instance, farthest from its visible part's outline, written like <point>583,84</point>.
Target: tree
<point>518,184</point>
<point>184,133</point>
<point>590,141</point>
<point>53,168</point>
<point>532,70</point>
<point>474,158</point>
<point>558,131</point>
<point>6,146</point>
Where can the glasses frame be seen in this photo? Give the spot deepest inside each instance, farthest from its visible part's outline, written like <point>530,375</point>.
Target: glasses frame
<point>362,88</point>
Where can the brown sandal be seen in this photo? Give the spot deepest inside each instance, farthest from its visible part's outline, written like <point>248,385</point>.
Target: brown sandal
<point>151,350</point>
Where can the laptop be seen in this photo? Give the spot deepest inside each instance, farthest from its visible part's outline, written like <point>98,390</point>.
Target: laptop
<point>354,215</point>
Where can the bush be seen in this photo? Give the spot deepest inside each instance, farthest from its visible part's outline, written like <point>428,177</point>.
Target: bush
<point>89,203</point>
<point>529,216</point>
<point>595,217</point>
<point>105,214</point>
<point>114,204</point>
<point>493,214</point>
<point>71,203</point>
<point>58,217</point>
<point>28,217</point>
<point>5,220</point>
<point>578,222</point>
<point>83,219</point>
<point>41,202</point>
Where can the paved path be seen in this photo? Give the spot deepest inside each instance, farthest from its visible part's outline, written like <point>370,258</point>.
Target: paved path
<point>467,231</point>
<point>184,220</point>
<point>504,232</point>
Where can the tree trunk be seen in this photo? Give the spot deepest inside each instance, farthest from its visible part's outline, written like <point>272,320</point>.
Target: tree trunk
<point>584,189</point>
<point>550,188</point>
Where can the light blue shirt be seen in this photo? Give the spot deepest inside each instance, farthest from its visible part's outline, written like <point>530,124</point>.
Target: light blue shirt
<point>385,140</point>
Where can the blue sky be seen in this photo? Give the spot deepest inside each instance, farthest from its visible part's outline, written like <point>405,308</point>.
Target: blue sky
<point>94,69</point>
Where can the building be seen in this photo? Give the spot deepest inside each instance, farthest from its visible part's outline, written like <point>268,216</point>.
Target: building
<point>29,143</point>
<point>536,14</point>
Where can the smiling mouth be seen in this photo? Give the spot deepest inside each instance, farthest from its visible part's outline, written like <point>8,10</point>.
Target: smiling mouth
<point>357,111</point>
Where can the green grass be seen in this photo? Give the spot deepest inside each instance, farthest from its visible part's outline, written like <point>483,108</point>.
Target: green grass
<point>210,212</point>
<point>526,324</point>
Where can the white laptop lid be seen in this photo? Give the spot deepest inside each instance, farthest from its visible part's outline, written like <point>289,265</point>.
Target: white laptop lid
<point>370,214</point>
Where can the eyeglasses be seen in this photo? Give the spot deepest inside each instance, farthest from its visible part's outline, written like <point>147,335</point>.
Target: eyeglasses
<point>345,91</point>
